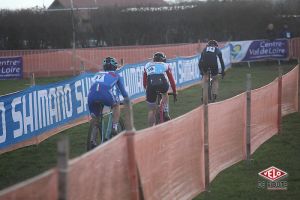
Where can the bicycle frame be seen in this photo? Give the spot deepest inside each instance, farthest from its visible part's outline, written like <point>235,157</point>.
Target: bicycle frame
<point>210,80</point>
<point>104,129</point>
<point>106,132</point>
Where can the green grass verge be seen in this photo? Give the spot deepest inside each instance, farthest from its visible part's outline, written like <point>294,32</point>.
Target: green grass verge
<point>29,161</point>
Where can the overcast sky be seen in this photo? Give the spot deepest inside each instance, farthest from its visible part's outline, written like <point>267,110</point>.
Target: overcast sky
<point>18,4</point>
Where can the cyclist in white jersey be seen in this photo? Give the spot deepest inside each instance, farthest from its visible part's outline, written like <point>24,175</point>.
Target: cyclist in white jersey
<point>154,81</point>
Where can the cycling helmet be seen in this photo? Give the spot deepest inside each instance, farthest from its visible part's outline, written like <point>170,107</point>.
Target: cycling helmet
<point>110,64</point>
<point>159,57</point>
<point>212,43</point>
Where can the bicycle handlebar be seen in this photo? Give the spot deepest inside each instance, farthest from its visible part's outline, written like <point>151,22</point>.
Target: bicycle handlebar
<point>171,93</point>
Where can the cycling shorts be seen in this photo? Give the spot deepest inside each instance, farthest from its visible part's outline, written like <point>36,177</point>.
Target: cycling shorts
<point>101,96</point>
<point>156,83</point>
<point>214,71</point>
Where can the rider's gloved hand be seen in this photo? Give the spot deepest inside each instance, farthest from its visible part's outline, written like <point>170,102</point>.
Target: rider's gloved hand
<point>223,74</point>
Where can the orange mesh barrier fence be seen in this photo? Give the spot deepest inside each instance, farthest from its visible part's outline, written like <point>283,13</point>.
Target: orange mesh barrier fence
<point>290,92</point>
<point>264,114</point>
<point>295,48</point>
<point>101,174</point>
<point>226,126</point>
<point>170,158</point>
<point>42,187</point>
<point>60,62</point>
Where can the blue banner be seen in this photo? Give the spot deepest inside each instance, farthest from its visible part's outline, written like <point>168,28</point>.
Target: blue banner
<point>185,72</point>
<point>243,51</point>
<point>37,110</point>
<point>11,68</point>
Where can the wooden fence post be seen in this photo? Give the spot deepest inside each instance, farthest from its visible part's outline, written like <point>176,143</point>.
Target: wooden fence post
<point>136,188</point>
<point>32,81</point>
<point>206,132</point>
<point>82,67</point>
<point>62,165</point>
<point>129,124</point>
<point>279,99</point>
<point>249,65</point>
<point>248,119</point>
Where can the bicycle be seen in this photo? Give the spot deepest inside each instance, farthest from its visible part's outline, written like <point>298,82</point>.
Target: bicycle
<point>104,131</point>
<point>159,115</point>
<point>211,97</point>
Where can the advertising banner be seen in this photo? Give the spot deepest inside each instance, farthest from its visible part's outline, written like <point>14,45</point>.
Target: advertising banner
<point>184,69</point>
<point>244,51</point>
<point>11,68</point>
<point>37,110</point>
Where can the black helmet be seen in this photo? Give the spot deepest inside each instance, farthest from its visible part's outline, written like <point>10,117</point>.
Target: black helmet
<point>212,43</point>
<point>159,57</point>
<point>110,64</point>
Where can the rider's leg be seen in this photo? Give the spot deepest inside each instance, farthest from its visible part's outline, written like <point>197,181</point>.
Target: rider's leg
<point>165,99</point>
<point>95,128</point>
<point>95,108</point>
<point>151,102</point>
<point>116,116</point>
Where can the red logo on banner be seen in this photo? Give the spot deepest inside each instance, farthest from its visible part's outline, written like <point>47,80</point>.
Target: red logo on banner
<point>272,173</point>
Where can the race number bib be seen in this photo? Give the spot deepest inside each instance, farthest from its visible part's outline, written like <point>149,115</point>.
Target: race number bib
<point>210,49</point>
<point>99,78</point>
<point>150,69</point>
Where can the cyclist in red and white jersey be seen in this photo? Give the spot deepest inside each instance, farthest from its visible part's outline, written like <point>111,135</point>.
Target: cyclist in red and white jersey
<point>154,81</point>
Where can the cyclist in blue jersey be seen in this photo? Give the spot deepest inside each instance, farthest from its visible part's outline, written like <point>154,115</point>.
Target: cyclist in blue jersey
<point>104,92</point>
<point>154,81</point>
<point>208,60</point>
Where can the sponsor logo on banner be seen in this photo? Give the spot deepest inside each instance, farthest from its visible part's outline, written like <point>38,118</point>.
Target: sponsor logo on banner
<point>11,68</point>
<point>274,177</point>
<point>259,50</point>
<point>38,109</point>
<point>267,49</point>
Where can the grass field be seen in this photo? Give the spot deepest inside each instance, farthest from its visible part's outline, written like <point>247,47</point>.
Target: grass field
<point>237,182</point>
